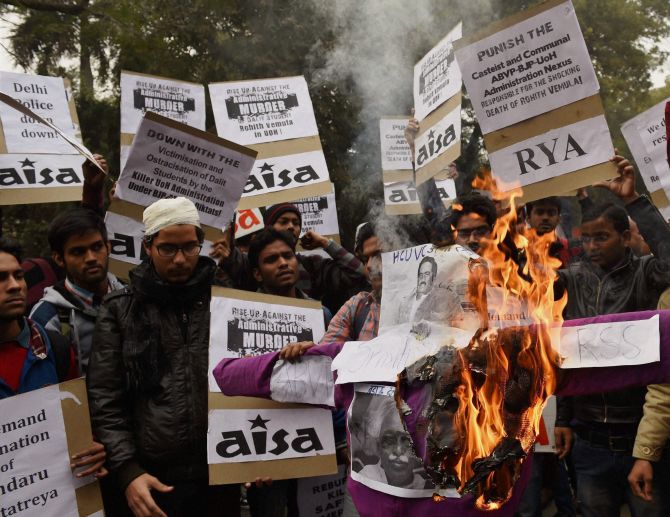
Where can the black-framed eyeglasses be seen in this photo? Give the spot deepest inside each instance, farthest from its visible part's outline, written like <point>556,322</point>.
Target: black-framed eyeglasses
<point>170,250</point>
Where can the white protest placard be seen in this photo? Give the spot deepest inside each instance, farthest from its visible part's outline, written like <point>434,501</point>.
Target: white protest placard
<point>246,435</point>
<point>545,441</point>
<point>437,76</point>
<point>527,68</point>
<point>322,496</point>
<point>36,171</point>
<point>401,198</point>
<point>646,137</point>
<point>248,221</point>
<point>395,151</point>
<point>440,138</point>
<point>46,97</point>
<point>427,283</point>
<point>177,100</point>
<point>608,344</point>
<point>125,236</point>
<point>552,154</point>
<point>35,474</point>
<point>263,110</point>
<point>247,324</point>
<point>319,214</point>
<point>285,172</point>
<point>381,359</point>
<point>169,159</point>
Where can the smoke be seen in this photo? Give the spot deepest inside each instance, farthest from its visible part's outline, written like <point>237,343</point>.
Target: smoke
<point>377,43</point>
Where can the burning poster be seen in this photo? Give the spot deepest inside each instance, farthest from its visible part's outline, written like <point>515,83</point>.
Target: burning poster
<point>645,135</point>
<point>396,153</point>
<point>425,283</point>
<point>382,452</point>
<point>246,324</point>
<point>527,68</point>
<point>437,76</point>
<point>263,110</point>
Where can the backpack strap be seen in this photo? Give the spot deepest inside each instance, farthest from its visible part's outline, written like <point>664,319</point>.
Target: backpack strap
<point>62,353</point>
<point>64,321</point>
<point>361,314</point>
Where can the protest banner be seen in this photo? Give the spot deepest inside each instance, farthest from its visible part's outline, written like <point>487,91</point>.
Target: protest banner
<point>401,198</point>
<point>169,159</point>
<point>323,496</point>
<point>125,233</point>
<point>382,453</point>
<point>177,100</point>
<point>248,221</point>
<point>263,110</point>
<point>535,94</point>
<point>38,159</point>
<point>40,431</point>
<point>275,117</point>
<point>646,137</point>
<point>437,104</point>
<point>249,437</point>
<point>396,153</point>
<point>437,76</point>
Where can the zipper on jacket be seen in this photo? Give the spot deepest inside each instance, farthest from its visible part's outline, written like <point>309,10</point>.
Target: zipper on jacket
<point>601,281</point>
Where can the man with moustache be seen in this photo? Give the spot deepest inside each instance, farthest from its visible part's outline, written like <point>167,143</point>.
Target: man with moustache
<point>79,244</point>
<point>147,377</point>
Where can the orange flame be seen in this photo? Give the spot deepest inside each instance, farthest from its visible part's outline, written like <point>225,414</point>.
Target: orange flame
<point>482,418</point>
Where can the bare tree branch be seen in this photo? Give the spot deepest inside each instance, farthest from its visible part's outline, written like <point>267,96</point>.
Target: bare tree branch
<point>45,5</point>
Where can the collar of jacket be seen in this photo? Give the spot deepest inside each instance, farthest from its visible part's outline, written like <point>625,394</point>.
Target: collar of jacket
<point>625,264</point>
<point>148,285</point>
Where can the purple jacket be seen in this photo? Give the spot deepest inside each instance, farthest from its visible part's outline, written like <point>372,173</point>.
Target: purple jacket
<point>251,377</point>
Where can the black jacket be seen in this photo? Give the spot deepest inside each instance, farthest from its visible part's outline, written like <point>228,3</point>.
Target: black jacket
<point>635,285</point>
<point>147,377</point>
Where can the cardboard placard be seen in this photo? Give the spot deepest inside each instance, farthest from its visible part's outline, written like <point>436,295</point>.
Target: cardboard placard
<point>177,100</point>
<point>401,198</point>
<point>50,425</point>
<point>169,159</point>
<point>646,137</point>
<point>396,153</point>
<point>268,320</point>
<point>525,65</point>
<point>437,76</point>
<point>263,110</point>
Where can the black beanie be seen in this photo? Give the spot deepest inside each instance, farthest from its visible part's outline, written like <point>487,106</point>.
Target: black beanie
<point>275,211</point>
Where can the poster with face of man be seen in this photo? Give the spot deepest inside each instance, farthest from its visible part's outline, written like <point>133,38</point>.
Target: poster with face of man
<point>382,452</point>
<point>425,283</point>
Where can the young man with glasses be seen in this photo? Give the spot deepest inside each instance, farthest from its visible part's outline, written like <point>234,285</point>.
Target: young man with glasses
<point>473,218</point>
<point>147,380</point>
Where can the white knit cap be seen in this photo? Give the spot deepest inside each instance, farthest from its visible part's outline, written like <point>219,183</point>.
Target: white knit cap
<point>168,212</point>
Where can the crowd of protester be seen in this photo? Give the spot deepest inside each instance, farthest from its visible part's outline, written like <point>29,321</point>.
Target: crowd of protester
<point>143,347</point>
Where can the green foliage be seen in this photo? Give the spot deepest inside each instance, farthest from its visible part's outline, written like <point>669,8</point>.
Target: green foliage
<point>91,41</point>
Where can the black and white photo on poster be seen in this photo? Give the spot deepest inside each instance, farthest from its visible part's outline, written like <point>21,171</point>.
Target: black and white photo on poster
<point>125,236</point>
<point>247,324</point>
<point>285,172</point>
<point>48,98</point>
<point>382,452</point>
<point>530,67</point>
<point>554,153</point>
<point>396,153</point>
<point>169,159</point>
<point>40,170</point>
<point>177,100</point>
<point>245,435</point>
<point>646,137</point>
<point>437,76</point>
<point>425,283</point>
<point>263,110</point>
